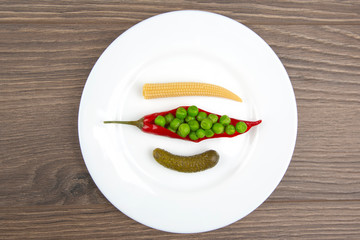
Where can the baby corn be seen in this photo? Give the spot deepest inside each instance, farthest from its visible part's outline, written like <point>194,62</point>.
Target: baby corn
<point>178,89</point>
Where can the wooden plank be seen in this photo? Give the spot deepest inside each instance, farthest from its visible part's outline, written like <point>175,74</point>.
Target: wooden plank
<point>44,69</point>
<point>115,12</point>
<point>281,220</point>
<point>42,76</point>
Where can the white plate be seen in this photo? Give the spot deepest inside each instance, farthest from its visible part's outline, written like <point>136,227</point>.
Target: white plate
<point>187,46</point>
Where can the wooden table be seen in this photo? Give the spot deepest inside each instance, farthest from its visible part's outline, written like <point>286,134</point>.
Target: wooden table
<point>47,49</point>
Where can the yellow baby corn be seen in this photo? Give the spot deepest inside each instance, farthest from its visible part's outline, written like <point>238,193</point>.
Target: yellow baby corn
<point>178,89</point>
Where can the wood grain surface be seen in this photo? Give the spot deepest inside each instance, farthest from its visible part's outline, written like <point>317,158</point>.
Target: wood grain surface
<point>47,49</point>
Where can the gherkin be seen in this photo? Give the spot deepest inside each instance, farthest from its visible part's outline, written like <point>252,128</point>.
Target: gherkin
<point>194,163</point>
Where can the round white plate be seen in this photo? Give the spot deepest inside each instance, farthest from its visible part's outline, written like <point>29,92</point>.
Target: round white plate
<point>187,46</point>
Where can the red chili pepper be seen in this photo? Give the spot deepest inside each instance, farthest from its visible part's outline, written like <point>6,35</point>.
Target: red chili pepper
<point>146,124</point>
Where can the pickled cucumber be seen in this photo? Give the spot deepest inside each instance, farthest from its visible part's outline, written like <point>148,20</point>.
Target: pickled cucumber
<point>194,163</point>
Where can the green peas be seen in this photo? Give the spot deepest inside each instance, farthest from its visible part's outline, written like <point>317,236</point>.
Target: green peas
<point>201,116</point>
<point>183,130</point>
<point>169,117</point>
<point>230,129</point>
<point>218,128</point>
<point>197,124</point>
<point>213,118</point>
<point>200,133</point>
<point>193,111</point>
<point>194,125</point>
<point>189,118</point>
<point>209,133</point>
<point>193,136</point>
<point>224,120</point>
<point>175,123</point>
<point>160,121</point>
<point>181,113</point>
<point>206,123</point>
<point>241,127</point>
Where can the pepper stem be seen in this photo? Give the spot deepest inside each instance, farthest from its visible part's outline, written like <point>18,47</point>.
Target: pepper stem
<point>139,123</point>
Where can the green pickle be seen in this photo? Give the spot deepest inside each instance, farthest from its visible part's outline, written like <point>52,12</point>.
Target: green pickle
<point>188,164</point>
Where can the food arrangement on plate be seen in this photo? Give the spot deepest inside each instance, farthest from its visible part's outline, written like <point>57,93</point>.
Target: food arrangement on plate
<point>189,123</point>
<point>186,46</point>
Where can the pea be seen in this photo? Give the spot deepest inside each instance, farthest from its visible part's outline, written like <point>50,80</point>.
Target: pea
<point>241,127</point>
<point>183,130</point>
<point>160,121</point>
<point>201,116</point>
<point>224,120</point>
<point>194,125</point>
<point>169,128</point>
<point>193,136</point>
<point>169,117</point>
<point>209,133</point>
<point>189,118</point>
<point>200,133</point>
<point>230,129</point>
<point>175,123</point>
<point>193,111</point>
<point>213,118</point>
<point>206,123</point>
<point>181,113</point>
<point>218,128</point>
